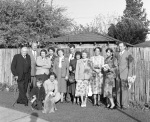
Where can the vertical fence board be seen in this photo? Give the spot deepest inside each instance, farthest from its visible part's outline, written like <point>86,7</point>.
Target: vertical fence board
<point>140,91</point>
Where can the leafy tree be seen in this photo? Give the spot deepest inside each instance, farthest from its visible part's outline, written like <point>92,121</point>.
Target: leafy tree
<point>100,25</point>
<point>134,10</point>
<point>128,30</point>
<point>133,26</point>
<point>30,20</point>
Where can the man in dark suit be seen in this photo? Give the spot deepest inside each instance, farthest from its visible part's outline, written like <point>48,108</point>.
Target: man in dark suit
<point>21,69</point>
<point>125,71</point>
<point>34,53</point>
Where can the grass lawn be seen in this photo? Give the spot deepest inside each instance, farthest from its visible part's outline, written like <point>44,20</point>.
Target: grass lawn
<point>73,113</point>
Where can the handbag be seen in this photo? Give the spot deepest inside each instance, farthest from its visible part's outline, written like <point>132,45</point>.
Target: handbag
<point>72,78</point>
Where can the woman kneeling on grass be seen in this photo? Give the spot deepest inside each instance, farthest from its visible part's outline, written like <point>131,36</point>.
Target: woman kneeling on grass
<point>52,94</point>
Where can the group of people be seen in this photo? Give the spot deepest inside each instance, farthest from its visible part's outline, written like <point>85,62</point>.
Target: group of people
<point>49,76</point>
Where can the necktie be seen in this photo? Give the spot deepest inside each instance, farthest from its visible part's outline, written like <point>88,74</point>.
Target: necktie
<point>34,54</point>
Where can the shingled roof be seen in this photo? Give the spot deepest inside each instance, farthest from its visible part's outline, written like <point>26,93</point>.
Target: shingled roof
<point>84,37</point>
<point>143,44</point>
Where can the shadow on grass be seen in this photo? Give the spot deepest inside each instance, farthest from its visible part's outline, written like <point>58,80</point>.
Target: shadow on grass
<point>33,117</point>
<point>129,115</point>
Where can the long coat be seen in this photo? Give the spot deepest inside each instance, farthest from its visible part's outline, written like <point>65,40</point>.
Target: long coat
<point>18,66</point>
<point>61,73</point>
<point>124,65</point>
<point>64,69</point>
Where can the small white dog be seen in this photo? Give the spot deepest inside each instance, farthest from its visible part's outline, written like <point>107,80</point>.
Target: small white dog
<point>49,105</point>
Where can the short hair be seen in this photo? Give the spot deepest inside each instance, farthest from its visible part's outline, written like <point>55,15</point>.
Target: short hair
<point>51,48</point>
<point>72,45</point>
<point>34,42</point>
<point>85,51</point>
<point>100,49</point>
<point>109,49</point>
<point>60,50</point>
<point>43,50</point>
<point>78,53</point>
<point>52,73</point>
<point>39,80</point>
<point>122,43</point>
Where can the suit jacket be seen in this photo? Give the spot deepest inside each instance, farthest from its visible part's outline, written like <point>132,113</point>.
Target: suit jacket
<point>73,65</point>
<point>83,71</point>
<point>18,66</point>
<point>64,69</point>
<point>33,62</point>
<point>124,66</point>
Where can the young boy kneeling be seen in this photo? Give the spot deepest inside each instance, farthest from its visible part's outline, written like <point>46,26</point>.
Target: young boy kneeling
<point>38,95</point>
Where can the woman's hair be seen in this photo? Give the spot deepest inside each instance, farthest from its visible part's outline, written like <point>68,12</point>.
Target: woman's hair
<point>78,53</point>
<point>51,48</point>
<point>85,51</point>
<point>43,50</point>
<point>60,50</point>
<point>72,45</point>
<point>52,73</point>
<point>100,49</point>
<point>109,49</point>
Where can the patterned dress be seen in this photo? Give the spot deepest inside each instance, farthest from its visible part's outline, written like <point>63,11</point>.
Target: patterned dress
<point>82,85</point>
<point>110,76</point>
<point>97,78</point>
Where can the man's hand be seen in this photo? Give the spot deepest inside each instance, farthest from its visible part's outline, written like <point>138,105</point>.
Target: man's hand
<point>66,78</point>
<point>16,78</point>
<point>70,68</point>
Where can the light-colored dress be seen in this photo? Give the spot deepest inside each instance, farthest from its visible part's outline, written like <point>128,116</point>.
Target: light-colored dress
<point>97,78</point>
<point>50,86</point>
<point>82,76</point>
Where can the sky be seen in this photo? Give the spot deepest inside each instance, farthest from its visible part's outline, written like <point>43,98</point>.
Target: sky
<point>84,11</point>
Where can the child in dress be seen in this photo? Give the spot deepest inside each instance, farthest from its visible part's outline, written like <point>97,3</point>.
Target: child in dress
<point>38,95</point>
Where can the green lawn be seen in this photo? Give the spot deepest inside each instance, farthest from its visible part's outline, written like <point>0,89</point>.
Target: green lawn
<point>73,113</point>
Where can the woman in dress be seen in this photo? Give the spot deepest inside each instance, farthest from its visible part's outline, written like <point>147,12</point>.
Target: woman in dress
<point>109,68</point>
<point>97,77</point>
<point>72,69</point>
<point>43,65</point>
<point>82,76</point>
<point>61,69</point>
<point>51,88</point>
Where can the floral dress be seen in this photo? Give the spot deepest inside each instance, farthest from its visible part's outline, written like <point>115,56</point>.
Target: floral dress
<point>109,76</point>
<point>82,85</point>
<point>97,77</point>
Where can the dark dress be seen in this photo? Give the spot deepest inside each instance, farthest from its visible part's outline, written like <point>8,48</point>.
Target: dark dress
<point>109,76</point>
<point>72,86</point>
<point>40,96</point>
<point>21,67</point>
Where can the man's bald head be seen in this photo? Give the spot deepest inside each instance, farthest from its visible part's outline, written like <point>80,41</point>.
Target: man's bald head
<point>24,51</point>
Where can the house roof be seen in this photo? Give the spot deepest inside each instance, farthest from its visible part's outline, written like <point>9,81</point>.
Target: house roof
<point>84,37</point>
<point>143,44</point>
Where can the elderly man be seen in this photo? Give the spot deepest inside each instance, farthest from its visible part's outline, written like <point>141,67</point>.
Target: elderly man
<point>21,69</point>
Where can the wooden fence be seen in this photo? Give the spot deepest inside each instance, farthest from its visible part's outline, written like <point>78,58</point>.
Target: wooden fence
<point>140,90</point>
